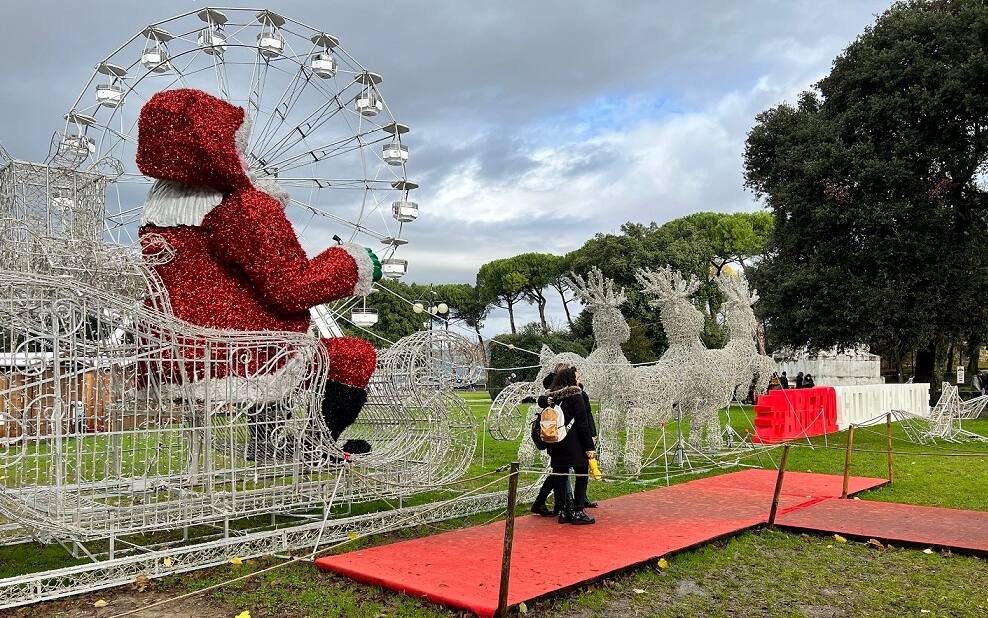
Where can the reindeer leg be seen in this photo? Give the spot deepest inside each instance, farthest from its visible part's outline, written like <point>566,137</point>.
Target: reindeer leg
<point>609,439</point>
<point>695,439</point>
<point>634,440</point>
<point>715,437</point>
<point>526,451</point>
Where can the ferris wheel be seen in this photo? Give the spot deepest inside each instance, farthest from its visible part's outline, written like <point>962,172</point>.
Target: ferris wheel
<point>320,125</point>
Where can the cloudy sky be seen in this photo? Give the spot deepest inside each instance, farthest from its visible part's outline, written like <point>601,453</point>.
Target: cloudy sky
<point>535,124</point>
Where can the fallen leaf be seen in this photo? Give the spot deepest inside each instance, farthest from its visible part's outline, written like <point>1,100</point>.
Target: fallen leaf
<point>638,591</point>
<point>168,562</point>
<point>927,551</point>
<point>143,582</point>
<point>236,561</point>
<point>875,544</point>
<point>244,614</point>
<point>100,603</point>
<point>839,538</point>
<point>663,563</point>
<point>522,608</point>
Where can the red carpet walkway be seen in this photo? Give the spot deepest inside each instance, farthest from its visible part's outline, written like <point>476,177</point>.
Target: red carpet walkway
<point>461,568</point>
<point>888,521</point>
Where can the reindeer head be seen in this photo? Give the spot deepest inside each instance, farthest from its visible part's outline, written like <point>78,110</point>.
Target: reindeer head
<point>681,320</point>
<point>738,307</point>
<point>598,294</point>
<point>549,359</point>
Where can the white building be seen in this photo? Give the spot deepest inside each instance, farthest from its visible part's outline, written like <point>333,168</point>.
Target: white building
<point>830,368</point>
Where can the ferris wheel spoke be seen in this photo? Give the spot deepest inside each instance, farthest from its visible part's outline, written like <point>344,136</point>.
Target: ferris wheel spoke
<point>318,117</point>
<point>338,183</point>
<point>356,226</point>
<point>282,109</point>
<point>322,152</point>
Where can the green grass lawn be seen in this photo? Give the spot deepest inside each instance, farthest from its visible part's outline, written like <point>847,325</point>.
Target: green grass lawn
<point>757,573</point>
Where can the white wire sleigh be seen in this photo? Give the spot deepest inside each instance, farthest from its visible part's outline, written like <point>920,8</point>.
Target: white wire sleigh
<point>117,418</point>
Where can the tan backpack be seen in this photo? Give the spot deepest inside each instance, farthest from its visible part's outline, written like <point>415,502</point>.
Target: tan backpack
<point>553,427</point>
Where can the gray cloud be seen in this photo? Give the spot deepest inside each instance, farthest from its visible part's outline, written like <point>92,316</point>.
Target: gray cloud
<point>535,125</point>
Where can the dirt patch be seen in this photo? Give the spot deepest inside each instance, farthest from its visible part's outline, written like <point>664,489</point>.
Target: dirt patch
<point>823,611</point>
<point>687,587</point>
<point>120,601</point>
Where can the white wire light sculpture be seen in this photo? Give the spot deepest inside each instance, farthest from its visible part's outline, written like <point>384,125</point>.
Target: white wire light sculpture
<point>122,426</point>
<point>689,382</point>
<point>946,418</point>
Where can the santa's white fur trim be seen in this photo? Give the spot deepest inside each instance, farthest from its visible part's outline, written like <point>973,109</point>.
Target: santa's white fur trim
<point>365,269</point>
<point>172,203</point>
<point>262,388</point>
<point>269,184</point>
<point>242,136</point>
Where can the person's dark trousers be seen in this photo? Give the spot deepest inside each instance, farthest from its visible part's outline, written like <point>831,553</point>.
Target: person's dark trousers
<point>548,485</point>
<point>580,490</point>
<point>560,476</point>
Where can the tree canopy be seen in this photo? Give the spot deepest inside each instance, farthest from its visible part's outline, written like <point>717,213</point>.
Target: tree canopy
<point>701,244</point>
<point>876,182</point>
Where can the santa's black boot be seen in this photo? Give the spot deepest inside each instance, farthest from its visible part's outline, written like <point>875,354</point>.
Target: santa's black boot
<point>340,407</point>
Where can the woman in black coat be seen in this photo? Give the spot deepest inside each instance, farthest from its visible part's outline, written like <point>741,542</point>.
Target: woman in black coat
<point>539,506</point>
<point>574,450</point>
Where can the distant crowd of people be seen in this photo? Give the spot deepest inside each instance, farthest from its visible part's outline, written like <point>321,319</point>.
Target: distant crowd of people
<point>802,381</point>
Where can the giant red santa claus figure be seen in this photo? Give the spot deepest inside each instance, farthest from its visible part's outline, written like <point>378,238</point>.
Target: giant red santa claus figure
<point>237,262</point>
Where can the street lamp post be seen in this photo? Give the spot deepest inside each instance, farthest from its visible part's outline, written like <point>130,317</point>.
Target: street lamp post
<point>436,308</point>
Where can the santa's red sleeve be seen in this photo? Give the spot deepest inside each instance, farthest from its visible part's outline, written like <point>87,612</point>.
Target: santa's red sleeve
<point>249,229</point>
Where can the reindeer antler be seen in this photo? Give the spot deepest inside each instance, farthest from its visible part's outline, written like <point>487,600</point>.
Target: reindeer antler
<point>666,284</point>
<point>595,290</point>
<point>735,287</point>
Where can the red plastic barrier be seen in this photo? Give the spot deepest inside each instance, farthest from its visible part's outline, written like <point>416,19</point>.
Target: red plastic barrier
<point>785,414</point>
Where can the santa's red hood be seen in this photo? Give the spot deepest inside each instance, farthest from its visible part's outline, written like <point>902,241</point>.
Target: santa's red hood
<point>189,136</point>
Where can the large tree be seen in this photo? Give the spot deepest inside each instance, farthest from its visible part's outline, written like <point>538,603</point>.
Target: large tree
<point>538,271</point>
<point>876,183</point>
<point>702,244</point>
<point>465,304</point>
<point>558,270</point>
<point>502,285</point>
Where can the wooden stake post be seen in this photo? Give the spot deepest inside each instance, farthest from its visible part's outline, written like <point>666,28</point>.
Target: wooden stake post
<point>509,537</point>
<point>778,485</point>
<point>847,460</point>
<point>888,442</point>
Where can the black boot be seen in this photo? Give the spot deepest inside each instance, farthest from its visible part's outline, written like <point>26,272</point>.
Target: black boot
<point>539,508</point>
<point>340,407</point>
<point>566,513</point>
<point>579,518</point>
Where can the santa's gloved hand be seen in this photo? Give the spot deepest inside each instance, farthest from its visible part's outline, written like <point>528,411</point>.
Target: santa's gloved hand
<point>378,273</point>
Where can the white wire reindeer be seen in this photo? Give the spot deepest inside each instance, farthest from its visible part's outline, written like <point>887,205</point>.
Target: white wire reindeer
<point>686,375</point>
<point>607,372</point>
<point>751,368</point>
